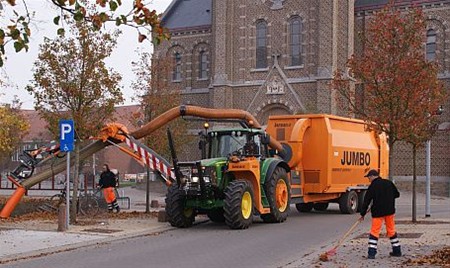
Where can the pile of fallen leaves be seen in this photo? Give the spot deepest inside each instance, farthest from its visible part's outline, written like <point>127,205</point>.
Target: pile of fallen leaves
<point>33,216</point>
<point>47,216</point>
<point>439,257</point>
<point>128,215</point>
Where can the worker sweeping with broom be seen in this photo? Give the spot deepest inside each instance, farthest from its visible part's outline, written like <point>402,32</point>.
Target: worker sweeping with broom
<point>382,193</point>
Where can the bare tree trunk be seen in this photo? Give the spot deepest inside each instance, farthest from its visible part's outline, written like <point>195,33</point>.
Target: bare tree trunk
<point>414,198</point>
<point>74,205</point>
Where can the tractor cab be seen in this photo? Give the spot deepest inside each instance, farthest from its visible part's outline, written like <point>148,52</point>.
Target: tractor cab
<point>236,142</point>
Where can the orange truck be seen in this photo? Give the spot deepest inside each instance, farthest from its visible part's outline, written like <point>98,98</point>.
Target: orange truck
<point>328,157</point>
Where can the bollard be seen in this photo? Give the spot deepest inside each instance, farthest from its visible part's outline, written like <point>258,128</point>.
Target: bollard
<point>154,204</point>
<point>62,226</point>
<point>162,216</point>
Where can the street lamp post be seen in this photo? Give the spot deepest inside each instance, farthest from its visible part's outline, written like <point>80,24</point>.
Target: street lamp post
<point>428,180</point>
<point>439,111</point>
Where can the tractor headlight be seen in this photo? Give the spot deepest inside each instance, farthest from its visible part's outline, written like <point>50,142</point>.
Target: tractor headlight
<point>195,179</point>
<point>210,174</point>
<point>206,179</point>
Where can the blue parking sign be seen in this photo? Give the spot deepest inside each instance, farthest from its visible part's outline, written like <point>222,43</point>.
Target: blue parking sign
<point>66,135</point>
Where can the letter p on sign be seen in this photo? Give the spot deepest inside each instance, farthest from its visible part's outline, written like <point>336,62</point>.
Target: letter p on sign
<point>66,135</point>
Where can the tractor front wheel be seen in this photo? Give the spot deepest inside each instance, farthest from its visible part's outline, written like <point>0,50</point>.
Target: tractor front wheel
<point>238,205</point>
<point>178,215</point>
<point>278,193</point>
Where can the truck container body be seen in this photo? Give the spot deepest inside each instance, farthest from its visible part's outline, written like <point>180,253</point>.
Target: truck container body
<point>329,154</point>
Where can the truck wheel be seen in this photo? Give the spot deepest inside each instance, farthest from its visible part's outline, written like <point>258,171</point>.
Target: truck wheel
<point>216,215</point>
<point>238,205</point>
<point>361,196</point>
<point>178,215</point>
<point>348,202</point>
<point>277,192</point>
<point>304,207</point>
<point>320,206</point>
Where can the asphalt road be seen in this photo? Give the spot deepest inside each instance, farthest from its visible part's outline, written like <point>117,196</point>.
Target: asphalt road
<point>212,245</point>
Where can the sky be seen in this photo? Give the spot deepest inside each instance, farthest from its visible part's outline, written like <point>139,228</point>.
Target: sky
<point>18,67</point>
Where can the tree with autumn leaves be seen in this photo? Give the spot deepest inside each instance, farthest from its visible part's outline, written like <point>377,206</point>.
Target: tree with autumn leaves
<point>16,30</point>
<point>13,127</point>
<point>156,97</point>
<point>71,81</point>
<point>400,88</point>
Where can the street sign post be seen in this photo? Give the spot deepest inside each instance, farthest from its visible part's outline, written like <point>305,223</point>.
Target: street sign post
<point>66,141</point>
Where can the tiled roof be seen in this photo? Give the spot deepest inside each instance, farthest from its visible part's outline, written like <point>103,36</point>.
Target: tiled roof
<point>187,14</point>
<point>362,3</point>
<point>376,4</point>
<point>38,127</point>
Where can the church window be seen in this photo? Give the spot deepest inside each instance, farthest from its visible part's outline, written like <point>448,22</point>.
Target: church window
<point>431,45</point>
<point>296,41</point>
<point>203,65</point>
<point>177,67</point>
<point>261,44</point>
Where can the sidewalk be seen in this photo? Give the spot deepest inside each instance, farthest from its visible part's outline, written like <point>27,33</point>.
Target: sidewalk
<point>26,239</point>
<point>417,240</point>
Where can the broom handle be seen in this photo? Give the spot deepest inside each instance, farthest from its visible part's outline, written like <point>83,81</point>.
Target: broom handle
<point>347,233</point>
<point>351,229</point>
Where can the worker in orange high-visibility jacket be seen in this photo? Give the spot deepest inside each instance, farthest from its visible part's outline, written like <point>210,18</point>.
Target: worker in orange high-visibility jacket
<point>108,183</point>
<point>382,194</point>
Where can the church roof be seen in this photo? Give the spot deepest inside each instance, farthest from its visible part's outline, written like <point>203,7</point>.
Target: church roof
<point>187,14</point>
<point>363,3</point>
<point>376,4</point>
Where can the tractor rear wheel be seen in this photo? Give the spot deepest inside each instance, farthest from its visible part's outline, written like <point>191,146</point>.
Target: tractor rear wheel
<point>238,204</point>
<point>178,215</point>
<point>216,215</point>
<point>278,193</point>
<point>348,202</point>
<point>304,207</point>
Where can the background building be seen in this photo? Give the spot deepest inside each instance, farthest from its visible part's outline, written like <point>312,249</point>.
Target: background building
<point>274,57</point>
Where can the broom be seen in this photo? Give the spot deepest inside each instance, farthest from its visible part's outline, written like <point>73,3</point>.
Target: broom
<point>332,252</point>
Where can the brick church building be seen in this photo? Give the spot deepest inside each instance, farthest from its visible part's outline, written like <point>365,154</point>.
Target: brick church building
<point>274,57</point>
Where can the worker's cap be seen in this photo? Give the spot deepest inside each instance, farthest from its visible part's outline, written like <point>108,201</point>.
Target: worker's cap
<point>372,172</point>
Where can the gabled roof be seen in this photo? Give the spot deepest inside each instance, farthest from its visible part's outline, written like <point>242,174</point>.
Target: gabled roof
<point>187,14</point>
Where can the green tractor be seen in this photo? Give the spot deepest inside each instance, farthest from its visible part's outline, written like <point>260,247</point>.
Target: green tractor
<point>239,177</point>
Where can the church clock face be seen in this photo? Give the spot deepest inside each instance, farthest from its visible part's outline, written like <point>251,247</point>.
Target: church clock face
<point>276,4</point>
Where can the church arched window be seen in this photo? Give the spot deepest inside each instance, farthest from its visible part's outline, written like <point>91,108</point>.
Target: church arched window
<point>203,65</point>
<point>261,44</point>
<point>431,45</point>
<point>177,67</point>
<point>295,45</point>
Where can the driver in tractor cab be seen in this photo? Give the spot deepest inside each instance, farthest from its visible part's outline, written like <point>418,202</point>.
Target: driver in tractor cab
<point>251,148</point>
